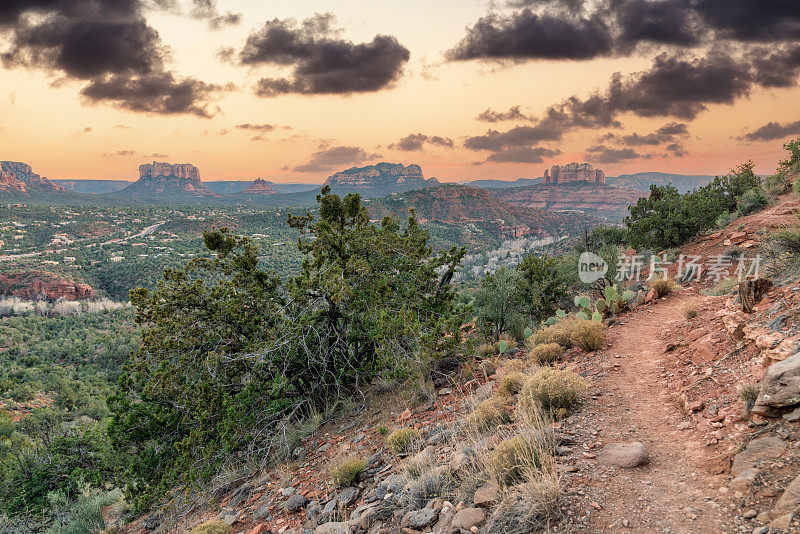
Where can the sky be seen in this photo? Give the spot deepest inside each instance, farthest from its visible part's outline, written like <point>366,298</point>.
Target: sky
<point>294,91</point>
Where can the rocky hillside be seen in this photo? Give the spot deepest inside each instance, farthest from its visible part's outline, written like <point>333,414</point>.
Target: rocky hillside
<point>459,204</point>
<point>19,178</point>
<point>593,198</point>
<point>31,285</point>
<point>379,180</point>
<point>690,425</point>
<point>166,180</point>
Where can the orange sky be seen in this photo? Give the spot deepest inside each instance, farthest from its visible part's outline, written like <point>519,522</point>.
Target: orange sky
<point>46,123</point>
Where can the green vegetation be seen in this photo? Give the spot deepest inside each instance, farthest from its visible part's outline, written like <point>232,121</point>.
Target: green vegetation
<point>345,472</point>
<point>229,351</point>
<point>556,391</point>
<point>668,219</point>
<point>403,439</point>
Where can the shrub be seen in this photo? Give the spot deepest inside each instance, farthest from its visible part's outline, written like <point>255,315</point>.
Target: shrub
<point>439,482</point>
<point>402,440</point>
<point>345,472</point>
<point>557,333</point>
<point>490,414</point>
<point>557,391</point>
<point>588,335</point>
<point>546,353</point>
<point>796,186</point>
<point>383,430</point>
<point>530,507</point>
<point>751,201</point>
<point>663,287</point>
<point>511,384</point>
<point>514,457</point>
<point>748,395</point>
<point>211,527</point>
<point>724,219</point>
<point>723,287</point>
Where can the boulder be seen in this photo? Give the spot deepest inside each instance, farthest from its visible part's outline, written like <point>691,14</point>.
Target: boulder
<point>625,455</point>
<point>338,527</point>
<point>757,450</point>
<point>487,495</point>
<point>295,502</point>
<point>780,387</point>
<point>790,500</point>
<point>420,519</point>
<point>468,517</point>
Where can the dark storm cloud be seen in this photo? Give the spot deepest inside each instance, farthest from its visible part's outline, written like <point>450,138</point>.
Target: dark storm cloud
<point>676,150</point>
<point>417,141</point>
<point>749,20</point>
<point>772,131</point>
<point>108,44</point>
<point>321,61</point>
<point>526,35</point>
<point>604,154</point>
<point>663,22</point>
<point>666,134</point>
<point>576,29</point>
<point>207,10</point>
<point>331,157</point>
<point>522,155</point>
<point>512,114</point>
<point>776,67</point>
<point>158,93</point>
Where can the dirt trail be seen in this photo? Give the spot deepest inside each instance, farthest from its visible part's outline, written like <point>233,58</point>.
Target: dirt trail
<point>679,490</point>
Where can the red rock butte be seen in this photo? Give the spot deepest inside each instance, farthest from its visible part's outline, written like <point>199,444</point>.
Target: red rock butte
<point>573,172</point>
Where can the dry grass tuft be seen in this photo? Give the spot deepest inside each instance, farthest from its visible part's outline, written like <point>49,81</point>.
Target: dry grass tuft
<point>664,287</point>
<point>556,391</point>
<point>588,335</point>
<point>490,414</point>
<point>403,440</point>
<point>546,354</point>
<point>347,471</point>
<point>690,310</point>
<point>211,527</point>
<point>511,383</point>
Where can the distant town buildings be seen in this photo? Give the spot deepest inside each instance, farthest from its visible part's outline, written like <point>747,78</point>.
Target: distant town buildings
<point>573,172</point>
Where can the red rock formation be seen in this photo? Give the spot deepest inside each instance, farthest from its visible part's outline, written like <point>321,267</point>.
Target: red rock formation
<point>35,284</point>
<point>259,187</point>
<point>16,176</point>
<point>573,172</point>
<point>591,197</point>
<point>165,179</point>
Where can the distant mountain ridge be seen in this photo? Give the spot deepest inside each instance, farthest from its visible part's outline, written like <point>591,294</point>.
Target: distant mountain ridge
<point>590,197</point>
<point>460,204</point>
<point>93,187</point>
<point>642,181</point>
<point>380,179</point>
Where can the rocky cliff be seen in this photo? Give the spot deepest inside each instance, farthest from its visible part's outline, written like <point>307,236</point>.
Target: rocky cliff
<point>166,179</point>
<point>380,179</point>
<point>34,284</point>
<point>259,187</point>
<point>19,177</point>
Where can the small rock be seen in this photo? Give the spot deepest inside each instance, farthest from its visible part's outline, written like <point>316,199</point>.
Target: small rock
<point>487,495</point>
<point>295,502</point>
<point>745,479</point>
<point>750,514</point>
<point>625,455</point>
<point>792,416</point>
<point>783,522</point>
<point>288,492</point>
<point>420,519</point>
<point>230,519</point>
<point>760,530</point>
<point>764,448</point>
<point>790,500</point>
<point>261,513</point>
<point>333,528</point>
<point>468,517</point>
